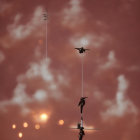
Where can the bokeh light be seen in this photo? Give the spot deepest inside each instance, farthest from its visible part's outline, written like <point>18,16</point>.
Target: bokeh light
<point>44,117</point>
<point>61,122</point>
<point>20,134</point>
<point>41,117</point>
<point>37,126</point>
<point>25,124</point>
<point>14,126</point>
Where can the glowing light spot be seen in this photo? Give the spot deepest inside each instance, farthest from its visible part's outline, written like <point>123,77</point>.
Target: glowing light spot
<point>40,42</point>
<point>37,126</point>
<point>14,126</point>
<point>25,124</point>
<point>90,127</point>
<point>41,117</point>
<point>61,122</point>
<point>20,135</point>
<point>44,117</point>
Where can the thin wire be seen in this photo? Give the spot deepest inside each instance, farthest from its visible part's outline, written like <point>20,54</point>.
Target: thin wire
<point>82,75</point>
<point>82,62</point>
<point>46,40</point>
<point>43,38</point>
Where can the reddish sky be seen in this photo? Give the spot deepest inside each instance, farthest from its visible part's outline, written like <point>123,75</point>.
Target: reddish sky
<point>31,83</point>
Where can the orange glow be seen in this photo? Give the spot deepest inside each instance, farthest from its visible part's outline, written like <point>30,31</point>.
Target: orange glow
<point>86,127</point>
<point>37,126</point>
<point>89,127</point>
<point>25,124</point>
<point>41,117</point>
<point>20,135</point>
<point>14,126</point>
<point>40,42</point>
<point>61,122</point>
<point>44,117</point>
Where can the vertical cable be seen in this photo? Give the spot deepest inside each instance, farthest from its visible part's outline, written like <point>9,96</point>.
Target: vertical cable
<point>43,35</point>
<point>46,41</point>
<point>82,61</point>
<point>82,75</point>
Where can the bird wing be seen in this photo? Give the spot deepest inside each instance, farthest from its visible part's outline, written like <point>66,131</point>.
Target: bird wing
<point>77,48</point>
<point>91,129</point>
<point>73,128</point>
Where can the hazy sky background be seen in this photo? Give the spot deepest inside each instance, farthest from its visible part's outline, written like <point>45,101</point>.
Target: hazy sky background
<point>30,84</point>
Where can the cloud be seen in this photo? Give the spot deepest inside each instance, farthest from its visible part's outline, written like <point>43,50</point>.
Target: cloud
<point>73,15</point>
<point>111,62</point>
<point>40,95</point>
<point>51,90</point>
<point>78,41</point>
<point>22,99</point>
<point>18,31</point>
<point>92,40</point>
<point>21,31</point>
<point>98,95</point>
<point>126,6</point>
<point>2,57</point>
<point>52,80</point>
<point>122,105</point>
<point>40,69</point>
<point>133,68</point>
<point>4,6</point>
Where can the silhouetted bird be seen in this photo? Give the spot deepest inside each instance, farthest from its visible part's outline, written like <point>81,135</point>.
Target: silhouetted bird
<point>82,103</point>
<point>81,50</point>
